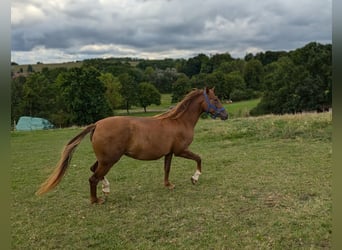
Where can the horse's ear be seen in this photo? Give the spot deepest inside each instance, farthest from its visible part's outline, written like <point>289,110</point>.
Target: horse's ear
<point>213,89</point>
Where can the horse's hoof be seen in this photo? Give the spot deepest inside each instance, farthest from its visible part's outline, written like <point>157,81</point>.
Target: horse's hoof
<point>193,181</point>
<point>105,194</point>
<point>170,186</point>
<point>98,201</point>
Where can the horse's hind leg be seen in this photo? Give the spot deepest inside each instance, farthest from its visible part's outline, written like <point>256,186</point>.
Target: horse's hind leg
<point>105,182</point>
<point>94,166</point>
<point>100,170</point>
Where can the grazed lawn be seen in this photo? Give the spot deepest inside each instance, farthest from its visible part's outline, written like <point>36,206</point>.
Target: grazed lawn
<point>266,184</point>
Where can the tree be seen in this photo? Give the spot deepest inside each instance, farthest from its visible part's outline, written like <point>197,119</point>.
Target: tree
<point>29,68</point>
<point>282,80</point>
<point>317,59</point>
<point>148,94</point>
<point>237,86</point>
<point>310,94</point>
<point>206,64</point>
<point>163,79</point>
<point>157,64</point>
<point>17,97</point>
<point>149,73</point>
<point>298,82</point>
<point>113,88</point>
<point>269,56</point>
<point>180,88</point>
<point>39,96</point>
<point>253,75</point>
<point>217,79</point>
<point>192,66</point>
<point>217,59</point>
<point>52,73</point>
<point>199,81</point>
<point>129,90</point>
<point>231,66</point>
<point>248,57</point>
<point>84,95</point>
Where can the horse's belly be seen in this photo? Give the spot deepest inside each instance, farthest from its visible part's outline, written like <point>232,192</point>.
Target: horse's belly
<point>147,149</point>
<point>143,154</point>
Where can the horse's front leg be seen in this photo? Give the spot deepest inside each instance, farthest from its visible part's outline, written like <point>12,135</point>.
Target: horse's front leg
<point>167,166</point>
<point>190,155</point>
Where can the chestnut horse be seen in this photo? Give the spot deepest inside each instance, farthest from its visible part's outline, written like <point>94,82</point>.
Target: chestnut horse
<point>148,138</point>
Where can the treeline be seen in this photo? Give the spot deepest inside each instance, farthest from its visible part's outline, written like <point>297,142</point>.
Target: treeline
<point>286,82</point>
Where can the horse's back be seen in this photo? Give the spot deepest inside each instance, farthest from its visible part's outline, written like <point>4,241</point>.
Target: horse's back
<point>125,124</point>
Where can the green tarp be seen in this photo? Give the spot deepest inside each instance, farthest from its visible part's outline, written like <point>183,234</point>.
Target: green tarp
<point>27,123</point>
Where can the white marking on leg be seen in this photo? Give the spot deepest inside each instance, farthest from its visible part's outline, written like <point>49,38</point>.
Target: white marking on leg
<point>105,186</point>
<point>196,175</point>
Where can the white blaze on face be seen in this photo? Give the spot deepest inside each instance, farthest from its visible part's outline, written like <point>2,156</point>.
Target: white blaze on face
<point>196,175</point>
<point>105,185</point>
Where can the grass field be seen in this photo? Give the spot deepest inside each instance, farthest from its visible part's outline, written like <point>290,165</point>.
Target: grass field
<point>266,184</point>
<point>242,108</point>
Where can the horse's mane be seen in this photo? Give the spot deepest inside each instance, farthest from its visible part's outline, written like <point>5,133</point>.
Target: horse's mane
<point>181,107</point>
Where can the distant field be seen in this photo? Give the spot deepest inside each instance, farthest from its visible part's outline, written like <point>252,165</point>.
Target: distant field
<point>39,67</point>
<point>266,184</point>
<point>242,108</point>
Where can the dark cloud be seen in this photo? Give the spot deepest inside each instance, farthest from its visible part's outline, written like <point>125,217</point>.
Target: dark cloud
<point>159,28</point>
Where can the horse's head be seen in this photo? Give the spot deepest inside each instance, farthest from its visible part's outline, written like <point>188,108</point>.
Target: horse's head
<point>212,105</point>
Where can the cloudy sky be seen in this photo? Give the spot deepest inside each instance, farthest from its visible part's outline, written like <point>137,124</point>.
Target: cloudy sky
<point>67,30</point>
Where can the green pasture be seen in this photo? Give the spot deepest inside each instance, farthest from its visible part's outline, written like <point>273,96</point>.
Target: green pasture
<point>242,108</point>
<point>266,184</point>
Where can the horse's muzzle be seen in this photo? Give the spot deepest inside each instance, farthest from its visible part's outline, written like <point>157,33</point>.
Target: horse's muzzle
<point>223,115</point>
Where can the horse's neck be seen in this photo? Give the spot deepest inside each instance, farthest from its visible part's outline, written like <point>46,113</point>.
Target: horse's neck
<point>192,114</point>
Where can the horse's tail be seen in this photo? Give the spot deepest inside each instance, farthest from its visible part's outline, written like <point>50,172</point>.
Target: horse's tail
<point>56,176</point>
